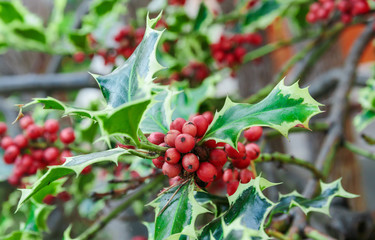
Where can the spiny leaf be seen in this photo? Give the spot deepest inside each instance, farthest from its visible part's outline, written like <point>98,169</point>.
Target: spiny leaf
<point>178,218</point>
<point>246,215</point>
<point>320,203</point>
<point>367,101</point>
<point>159,114</point>
<point>133,80</point>
<point>285,107</point>
<point>72,165</point>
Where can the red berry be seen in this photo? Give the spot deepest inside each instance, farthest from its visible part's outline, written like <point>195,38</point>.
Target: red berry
<point>49,199</point>
<point>50,154</point>
<point>174,181</point>
<point>51,126</point>
<point>184,143</point>
<point>64,196</point>
<point>26,121</point>
<point>11,154</point>
<point>67,135</point>
<point>171,136</point>
<point>246,175</point>
<point>34,131</point>
<point>201,123</point>
<point>37,154</point>
<point>139,238</point>
<point>156,138</point>
<point>21,141</point>
<point>210,143</point>
<point>233,153</point>
<point>241,163</point>
<point>26,161</point>
<point>218,157</point>
<point>252,151</point>
<point>86,170</point>
<point>172,156</point>
<point>177,124</point>
<point>6,142</point>
<point>228,175</point>
<point>253,134</point>
<point>232,187</point>
<point>189,128</point>
<point>190,162</point>
<point>208,116</point>
<point>14,180</point>
<point>51,137</point>
<point>158,162</point>
<point>64,155</point>
<point>311,17</point>
<point>171,170</point>
<point>79,57</point>
<point>206,172</point>
<point>3,128</point>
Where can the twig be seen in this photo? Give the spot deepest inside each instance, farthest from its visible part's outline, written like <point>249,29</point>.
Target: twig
<point>140,179</point>
<point>313,233</point>
<point>150,155</point>
<point>358,150</point>
<point>171,198</point>
<point>284,158</point>
<point>276,234</point>
<point>90,232</point>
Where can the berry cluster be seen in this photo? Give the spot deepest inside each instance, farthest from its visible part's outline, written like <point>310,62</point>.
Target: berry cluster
<point>35,148</point>
<point>51,199</point>
<point>323,9</point>
<point>127,40</point>
<point>187,156</point>
<point>195,72</point>
<point>229,51</point>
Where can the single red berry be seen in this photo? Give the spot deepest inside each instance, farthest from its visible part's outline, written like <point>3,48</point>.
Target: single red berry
<point>3,128</point>
<point>172,156</point>
<point>189,128</point>
<point>14,180</point>
<point>184,143</point>
<point>139,238</point>
<point>171,170</point>
<point>86,170</point>
<point>171,136</point>
<point>218,157</point>
<point>311,17</point>
<point>64,154</point>
<point>246,175</point>
<point>21,141</point>
<point>201,123</point>
<point>34,131</point>
<point>233,153</point>
<point>210,143</point>
<point>67,135</point>
<point>190,162</point>
<point>51,126</point>
<point>156,138</point>
<point>64,196</point>
<point>49,199</point>
<point>33,169</point>
<point>26,161</point>
<point>241,163</point>
<point>228,175</point>
<point>26,121</point>
<point>158,162</point>
<point>174,181</point>
<point>51,137</point>
<point>208,116</point>
<point>50,154</point>
<point>206,172</point>
<point>177,124</point>
<point>37,154</point>
<point>6,142</point>
<point>253,134</point>
<point>11,154</point>
<point>252,151</point>
<point>232,187</point>
<point>79,57</point>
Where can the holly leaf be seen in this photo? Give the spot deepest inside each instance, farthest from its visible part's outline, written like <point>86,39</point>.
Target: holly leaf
<point>9,12</point>
<point>179,216</point>
<point>367,101</point>
<point>285,107</point>
<point>188,101</point>
<point>320,203</point>
<point>245,217</point>
<point>203,18</point>
<point>133,79</point>
<point>158,116</point>
<point>72,165</point>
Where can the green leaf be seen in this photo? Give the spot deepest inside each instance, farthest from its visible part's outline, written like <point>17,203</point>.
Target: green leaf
<point>79,40</point>
<point>22,235</point>
<point>320,203</point>
<point>178,218</point>
<point>367,101</point>
<point>133,80</point>
<point>159,114</point>
<point>103,7</point>
<point>188,101</point>
<point>9,12</point>
<point>73,165</point>
<point>203,18</point>
<point>285,107</point>
<point>363,119</point>
<point>246,215</point>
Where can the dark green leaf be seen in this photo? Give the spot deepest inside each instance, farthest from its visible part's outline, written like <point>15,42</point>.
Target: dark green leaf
<point>103,7</point>
<point>30,34</point>
<point>285,107</point>
<point>367,101</point>
<point>203,18</point>
<point>79,40</point>
<point>9,12</point>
